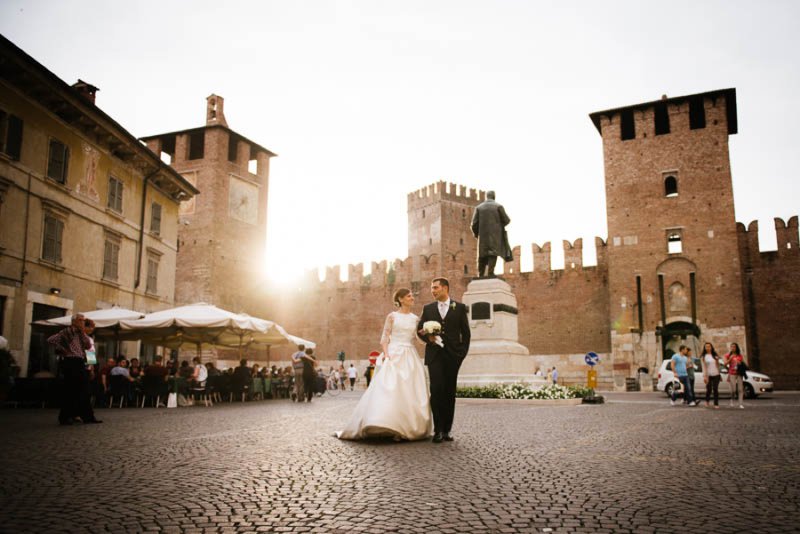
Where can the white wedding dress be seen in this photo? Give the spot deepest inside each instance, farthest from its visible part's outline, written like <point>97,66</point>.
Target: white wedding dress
<point>397,402</point>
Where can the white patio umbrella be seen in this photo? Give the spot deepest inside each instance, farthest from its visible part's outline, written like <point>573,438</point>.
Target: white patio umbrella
<point>107,318</point>
<point>206,325</point>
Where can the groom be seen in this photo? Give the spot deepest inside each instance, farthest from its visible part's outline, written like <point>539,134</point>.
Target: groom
<point>443,362</point>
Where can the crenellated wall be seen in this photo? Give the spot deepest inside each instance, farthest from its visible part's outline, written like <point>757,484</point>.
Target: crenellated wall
<point>771,292</point>
<point>349,315</point>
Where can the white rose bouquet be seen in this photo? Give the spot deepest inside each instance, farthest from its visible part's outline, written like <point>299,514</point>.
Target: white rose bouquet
<point>433,328</point>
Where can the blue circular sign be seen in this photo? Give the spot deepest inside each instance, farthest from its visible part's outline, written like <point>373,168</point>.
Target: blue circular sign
<point>592,359</point>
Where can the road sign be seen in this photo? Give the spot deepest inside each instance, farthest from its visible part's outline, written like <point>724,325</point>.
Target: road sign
<point>373,357</point>
<point>592,359</point>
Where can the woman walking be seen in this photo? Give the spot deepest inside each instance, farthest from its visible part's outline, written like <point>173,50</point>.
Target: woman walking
<point>736,374</point>
<point>309,374</point>
<point>710,363</point>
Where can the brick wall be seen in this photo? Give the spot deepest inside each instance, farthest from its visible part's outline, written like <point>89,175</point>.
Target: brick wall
<point>771,292</point>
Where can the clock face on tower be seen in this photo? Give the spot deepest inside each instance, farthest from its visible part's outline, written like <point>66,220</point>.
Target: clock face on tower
<point>243,201</point>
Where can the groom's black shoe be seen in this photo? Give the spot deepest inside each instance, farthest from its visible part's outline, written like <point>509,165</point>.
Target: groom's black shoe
<point>447,437</point>
<point>437,437</point>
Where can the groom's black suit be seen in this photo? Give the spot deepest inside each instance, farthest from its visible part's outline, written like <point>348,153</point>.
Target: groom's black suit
<point>443,362</point>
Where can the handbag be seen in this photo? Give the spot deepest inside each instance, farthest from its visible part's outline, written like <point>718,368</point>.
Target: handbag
<point>172,400</point>
<point>742,369</point>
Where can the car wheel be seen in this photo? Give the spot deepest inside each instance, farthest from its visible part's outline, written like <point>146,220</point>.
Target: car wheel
<point>749,392</point>
<point>668,390</point>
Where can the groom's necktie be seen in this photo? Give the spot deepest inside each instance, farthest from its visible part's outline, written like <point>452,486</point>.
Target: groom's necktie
<point>442,309</point>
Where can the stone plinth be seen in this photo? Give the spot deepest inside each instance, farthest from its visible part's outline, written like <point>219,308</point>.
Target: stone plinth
<point>495,355</point>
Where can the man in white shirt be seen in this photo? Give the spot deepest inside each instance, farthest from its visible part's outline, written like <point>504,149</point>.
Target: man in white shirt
<point>351,374</point>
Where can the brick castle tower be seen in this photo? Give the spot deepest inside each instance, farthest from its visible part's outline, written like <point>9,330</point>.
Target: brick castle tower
<point>222,233</point>
<point>439,218</point>
<point>674,271</point>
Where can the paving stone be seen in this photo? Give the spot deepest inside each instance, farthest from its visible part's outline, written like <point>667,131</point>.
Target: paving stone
<point>273,466</point>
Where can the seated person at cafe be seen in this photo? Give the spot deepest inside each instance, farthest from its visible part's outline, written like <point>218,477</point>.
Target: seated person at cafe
<point>122,370</point>
<point>135,369</point>
<point>199,374</point>
<point>157,371</point>
<point>212,370</point>
<point>105,371</point>
<point>185,371</point>
<point>242,378</point>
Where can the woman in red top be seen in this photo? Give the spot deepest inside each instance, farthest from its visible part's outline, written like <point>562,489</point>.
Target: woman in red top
<point>732,361</point>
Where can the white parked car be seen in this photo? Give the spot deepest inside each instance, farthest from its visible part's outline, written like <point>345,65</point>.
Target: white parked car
<point>755,384</point>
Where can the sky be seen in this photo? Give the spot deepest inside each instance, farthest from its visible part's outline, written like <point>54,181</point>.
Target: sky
<point>366,101</point>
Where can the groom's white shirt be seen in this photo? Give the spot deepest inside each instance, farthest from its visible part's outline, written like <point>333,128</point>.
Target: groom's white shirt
<point>443,307</point>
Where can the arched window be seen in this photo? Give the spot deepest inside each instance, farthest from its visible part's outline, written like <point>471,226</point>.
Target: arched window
<point>670,187</point>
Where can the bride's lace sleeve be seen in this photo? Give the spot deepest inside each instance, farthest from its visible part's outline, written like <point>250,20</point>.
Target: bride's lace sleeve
<point>386,336</point>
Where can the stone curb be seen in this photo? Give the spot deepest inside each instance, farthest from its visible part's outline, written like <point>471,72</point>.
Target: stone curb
<point>534,402</point>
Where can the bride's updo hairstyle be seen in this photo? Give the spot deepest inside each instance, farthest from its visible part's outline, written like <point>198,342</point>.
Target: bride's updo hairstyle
<point>399,294</point>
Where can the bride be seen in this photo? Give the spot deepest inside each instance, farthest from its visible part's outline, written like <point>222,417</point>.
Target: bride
<point>396,403</point>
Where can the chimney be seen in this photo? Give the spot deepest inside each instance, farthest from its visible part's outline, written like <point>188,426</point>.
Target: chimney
<point>86,90</point>
<point>214,111</point>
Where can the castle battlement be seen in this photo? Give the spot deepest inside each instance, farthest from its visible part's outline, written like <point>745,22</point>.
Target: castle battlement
<point>786,234</point>
<point>421,268</point>
<point>442,190</point>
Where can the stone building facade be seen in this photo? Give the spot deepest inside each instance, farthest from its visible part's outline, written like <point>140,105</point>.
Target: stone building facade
<point>675,269</point>
<point>88,216</point>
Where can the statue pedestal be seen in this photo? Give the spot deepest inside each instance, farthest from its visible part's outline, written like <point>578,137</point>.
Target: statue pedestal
<point>495,356</point>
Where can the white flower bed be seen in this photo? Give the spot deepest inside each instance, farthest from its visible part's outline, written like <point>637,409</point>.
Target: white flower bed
<point>524,391</point>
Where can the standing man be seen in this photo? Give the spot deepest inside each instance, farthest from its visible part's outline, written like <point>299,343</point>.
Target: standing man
<point>352,373</point>
<point>297,367</point>
<point>489,225</point>
<point>71,345</point>
<point>679,368</point>
<point>444,361</point>
<point>555,375</point>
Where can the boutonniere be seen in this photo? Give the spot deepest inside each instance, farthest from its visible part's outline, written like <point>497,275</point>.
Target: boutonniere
<point>452,305</point>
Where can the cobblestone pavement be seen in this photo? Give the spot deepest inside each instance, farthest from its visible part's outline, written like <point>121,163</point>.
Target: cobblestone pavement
<point>634,464</point>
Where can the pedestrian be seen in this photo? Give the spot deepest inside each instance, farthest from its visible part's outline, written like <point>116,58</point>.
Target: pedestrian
<point>71,345</point>
<point>679,369</point>
<point>690,369</point>
<point>555,375</point>
<point>737,371</point>
<point>297,367</point>
<point>538,372</point>
<point>549,377</point>
<point>711,376</point>
<point>352,373</point>
<point>309,375</point>
<point>368,373</point>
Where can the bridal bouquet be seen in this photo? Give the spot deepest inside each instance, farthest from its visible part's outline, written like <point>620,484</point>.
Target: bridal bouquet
<point>433,328</point>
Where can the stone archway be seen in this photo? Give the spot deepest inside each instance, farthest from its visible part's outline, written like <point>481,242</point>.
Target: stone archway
<point>678,333</point>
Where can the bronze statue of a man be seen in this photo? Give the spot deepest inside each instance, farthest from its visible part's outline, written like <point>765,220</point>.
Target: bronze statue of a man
<point>489,225</point>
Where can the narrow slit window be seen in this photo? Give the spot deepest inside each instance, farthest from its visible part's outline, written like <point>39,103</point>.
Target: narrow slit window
<point>697,114</point>
<point>670,187</point>
<point>233,148</point>
<point>662,119</point>
<point>627,127</point>
<point>197,141</point>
